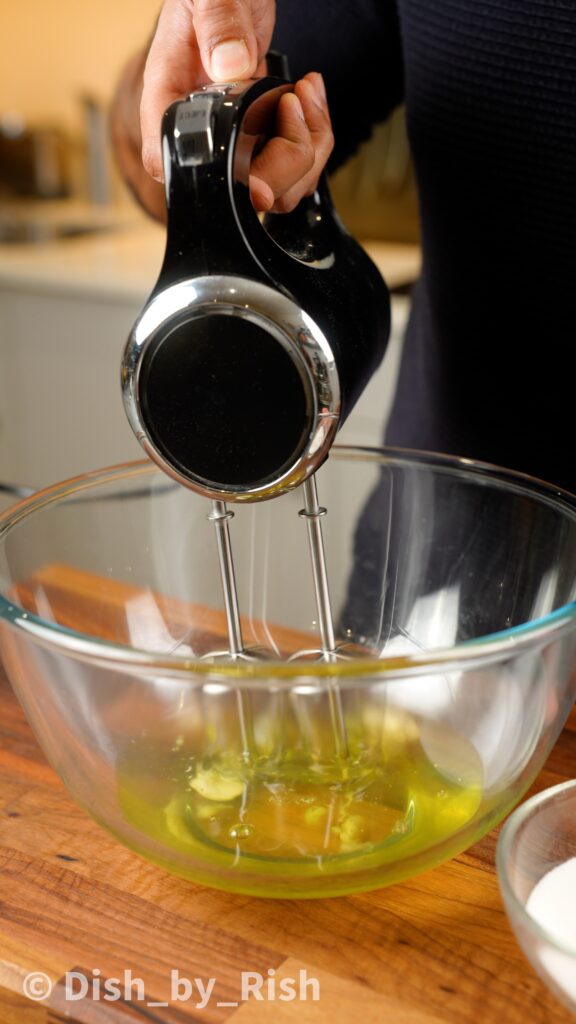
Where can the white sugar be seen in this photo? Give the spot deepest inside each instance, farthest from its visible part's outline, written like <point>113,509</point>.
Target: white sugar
<point>552,903</point>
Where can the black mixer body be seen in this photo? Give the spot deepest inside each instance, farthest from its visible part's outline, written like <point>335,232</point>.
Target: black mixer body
<point>260,334</point>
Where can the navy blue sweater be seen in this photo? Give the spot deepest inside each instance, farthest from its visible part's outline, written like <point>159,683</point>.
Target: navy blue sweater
<point>490,93</point>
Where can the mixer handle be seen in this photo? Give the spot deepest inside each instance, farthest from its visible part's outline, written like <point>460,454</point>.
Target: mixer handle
<point>208,143</point>
<point>278,64</point>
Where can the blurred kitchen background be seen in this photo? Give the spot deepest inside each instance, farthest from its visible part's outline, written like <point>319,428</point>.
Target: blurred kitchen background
<point>78,259</point>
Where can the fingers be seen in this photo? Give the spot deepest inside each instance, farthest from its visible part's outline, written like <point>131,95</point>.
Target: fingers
<point>290,164</point>
<point>173,68</point>
<point>226,38</point>
<point>289,155</point>
<point>222,40</point>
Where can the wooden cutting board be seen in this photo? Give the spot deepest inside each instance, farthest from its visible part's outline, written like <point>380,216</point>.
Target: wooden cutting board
<point>434,949</point>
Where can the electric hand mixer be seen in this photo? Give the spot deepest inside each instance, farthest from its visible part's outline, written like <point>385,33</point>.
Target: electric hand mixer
<point>309,757</point>
<point>257,339</point>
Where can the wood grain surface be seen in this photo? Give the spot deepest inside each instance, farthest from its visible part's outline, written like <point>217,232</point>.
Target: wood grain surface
<point>437,948</point>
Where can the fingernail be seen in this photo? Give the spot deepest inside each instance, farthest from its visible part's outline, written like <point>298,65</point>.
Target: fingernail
<point>321,89</point>
<point>315,96</point>
<point>229,60</point>
<point>298,107</point>
<point>151,164</point>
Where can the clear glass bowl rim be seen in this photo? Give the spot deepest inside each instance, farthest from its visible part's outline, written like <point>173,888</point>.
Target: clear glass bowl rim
<point>505,840</point>
<point>484,650</point>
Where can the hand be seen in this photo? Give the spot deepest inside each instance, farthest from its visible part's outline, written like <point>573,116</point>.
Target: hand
<point>223,40</point>
<point>289,165</point>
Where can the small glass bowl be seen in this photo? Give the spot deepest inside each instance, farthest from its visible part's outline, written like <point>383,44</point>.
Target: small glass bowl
<point>539,836</point>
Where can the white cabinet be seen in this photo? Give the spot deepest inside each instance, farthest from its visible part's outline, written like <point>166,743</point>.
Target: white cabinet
<point>60,402</point>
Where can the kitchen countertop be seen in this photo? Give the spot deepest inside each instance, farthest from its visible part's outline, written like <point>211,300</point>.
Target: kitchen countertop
<point>436,949</point>
<point>123,262</point>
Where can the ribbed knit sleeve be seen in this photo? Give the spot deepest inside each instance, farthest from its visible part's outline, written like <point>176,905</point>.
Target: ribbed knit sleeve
<point>355,44</point>
<point>491,110</point>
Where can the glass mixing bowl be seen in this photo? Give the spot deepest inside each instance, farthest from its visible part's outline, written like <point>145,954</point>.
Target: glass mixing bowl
<point>286,771</point>
<point>539,837</point>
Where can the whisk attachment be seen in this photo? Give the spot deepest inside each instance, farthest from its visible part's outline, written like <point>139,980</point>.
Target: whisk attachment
<point>220,516</point>
<point>313,513</point>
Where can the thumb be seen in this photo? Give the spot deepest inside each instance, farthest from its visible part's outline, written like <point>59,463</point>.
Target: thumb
<point>226,38</point>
